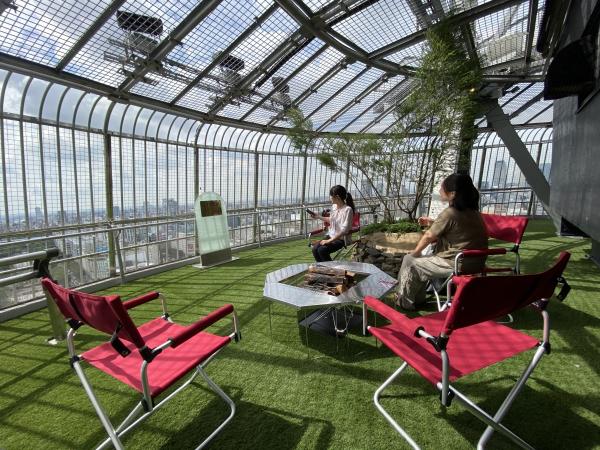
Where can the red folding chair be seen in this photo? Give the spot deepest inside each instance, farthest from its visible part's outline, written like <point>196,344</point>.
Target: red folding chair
<point>503,228</point>
<point>149,358</point>
<point>445,346</point>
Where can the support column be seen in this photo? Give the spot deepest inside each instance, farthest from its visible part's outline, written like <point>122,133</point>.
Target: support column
<point>500,122</point>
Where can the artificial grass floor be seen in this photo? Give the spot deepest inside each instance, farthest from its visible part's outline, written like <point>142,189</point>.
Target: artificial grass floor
<point>286,400</point>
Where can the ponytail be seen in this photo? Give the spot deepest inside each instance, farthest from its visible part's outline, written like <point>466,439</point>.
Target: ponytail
<point>350,202</point>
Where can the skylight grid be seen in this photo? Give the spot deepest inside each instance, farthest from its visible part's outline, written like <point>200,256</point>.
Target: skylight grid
<point>523,98</point>
<point>43,31</point>
<point>263,114</point>
<point>199,98</point>
<point>346,96</point>
<point>229,20</point>
<point>317,98</point>
<point>112,52</point>
<point>199,48</point>
<point>316,5</point>
<point>310,75</point>
<point>159,87</point>
<point>501,36</point>
<point>365,27</point>
<point>409,56</point>
<point>383,124</point>
<point>366,110</point>
<point>263,41</point>
<point>253,51</point>
<point>541,111</point>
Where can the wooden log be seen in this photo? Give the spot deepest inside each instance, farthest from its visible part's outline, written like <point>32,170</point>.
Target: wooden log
<point>315,268</point>
<point>313,278</point>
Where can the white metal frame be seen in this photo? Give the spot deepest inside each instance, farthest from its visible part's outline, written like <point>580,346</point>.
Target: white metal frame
<point>448,392</point>
<point>146,407</point>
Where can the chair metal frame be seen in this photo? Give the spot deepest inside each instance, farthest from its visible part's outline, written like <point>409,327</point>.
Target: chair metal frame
<point>147,405</point>
<point>456,317</point>
<point>504,228</point>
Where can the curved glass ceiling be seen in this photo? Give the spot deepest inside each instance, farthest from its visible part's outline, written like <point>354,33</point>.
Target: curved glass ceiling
<point>345,64</point>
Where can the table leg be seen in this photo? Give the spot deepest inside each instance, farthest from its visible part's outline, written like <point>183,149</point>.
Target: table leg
<point>270,323</point>
<point>306,334</point>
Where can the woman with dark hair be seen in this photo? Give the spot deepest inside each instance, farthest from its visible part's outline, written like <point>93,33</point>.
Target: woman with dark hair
<point>340,224</point>
<point>457,228</point>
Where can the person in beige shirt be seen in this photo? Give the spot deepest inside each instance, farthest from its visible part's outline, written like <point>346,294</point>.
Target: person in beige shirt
<point>458,227</point>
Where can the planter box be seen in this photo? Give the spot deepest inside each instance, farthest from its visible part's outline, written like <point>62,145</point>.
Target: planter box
<point>385,250</point>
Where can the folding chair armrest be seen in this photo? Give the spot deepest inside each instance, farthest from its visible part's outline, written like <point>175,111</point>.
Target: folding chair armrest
<point>318,231</point>
<point>132,303</point>
<point>200,325</point>
<point>483,252</point>
<point>393,316</point>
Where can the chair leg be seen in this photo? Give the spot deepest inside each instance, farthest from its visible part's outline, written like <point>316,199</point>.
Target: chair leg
<point>510,398</point>
<point>215,388</point>
<point>385,414</point>
<point>487,419</point>
<point>493,423</point>
<point>110,430</point>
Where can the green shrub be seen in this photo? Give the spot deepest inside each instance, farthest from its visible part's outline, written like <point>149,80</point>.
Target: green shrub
<point>402,226</point>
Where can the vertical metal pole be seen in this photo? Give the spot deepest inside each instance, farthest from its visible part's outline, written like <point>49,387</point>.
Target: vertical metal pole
<point>303,221</point>
<point>41,149</point>
<point>532,195</point>
<point>23,168</point>
<point>256,228</point>
<point>108,189</point>
<point>6,219</point>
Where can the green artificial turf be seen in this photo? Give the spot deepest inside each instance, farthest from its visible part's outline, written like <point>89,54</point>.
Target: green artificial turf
<point>286,400</point>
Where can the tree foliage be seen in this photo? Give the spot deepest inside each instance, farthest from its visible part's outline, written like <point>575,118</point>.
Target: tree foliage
<point>301,131</point>
<point>434,123</point>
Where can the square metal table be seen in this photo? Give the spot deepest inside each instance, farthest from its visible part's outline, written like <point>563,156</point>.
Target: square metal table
<point>376,283</point>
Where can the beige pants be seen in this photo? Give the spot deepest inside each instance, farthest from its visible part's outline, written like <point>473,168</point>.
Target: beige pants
<point>414,274</point>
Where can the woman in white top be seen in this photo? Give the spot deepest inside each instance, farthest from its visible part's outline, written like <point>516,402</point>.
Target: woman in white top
<point>340,224</point>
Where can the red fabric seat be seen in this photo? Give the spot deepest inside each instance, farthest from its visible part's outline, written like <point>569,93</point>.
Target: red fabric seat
<point>169,367</point>
<point>149,358</point>
<point>465,338</point>
<point>469,352</point>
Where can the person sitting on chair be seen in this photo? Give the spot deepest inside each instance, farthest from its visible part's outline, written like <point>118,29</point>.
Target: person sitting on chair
<point>458,227</point>
<point>340,224</point>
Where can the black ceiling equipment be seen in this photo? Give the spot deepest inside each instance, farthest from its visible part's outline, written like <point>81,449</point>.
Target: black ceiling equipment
<point>139,23</point>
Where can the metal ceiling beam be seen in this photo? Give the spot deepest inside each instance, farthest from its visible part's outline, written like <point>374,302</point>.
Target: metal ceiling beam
<point>356,100</point>
<point>392,108</point>
<point>317,27</point>
<point>337,92</point>
<point>328,12</point>
<point>89,33</point>
<point>288,45</point>
<point>378,119</point>
<point>153,61</point>
<point>464,17</point>
<point>506,102</point>
<point>312,89</point>
<point>40,71</point>
<point>533,7</point>
<point>376,102</point>
<point>286,80</point>
<point>216,61</point>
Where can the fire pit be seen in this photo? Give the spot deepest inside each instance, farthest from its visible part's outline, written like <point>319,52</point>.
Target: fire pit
<point>286,286</point>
